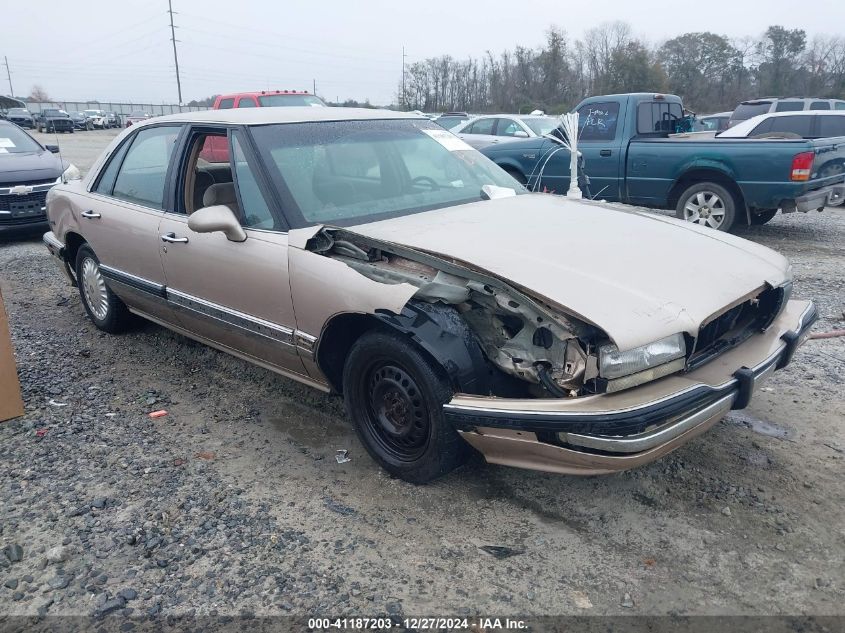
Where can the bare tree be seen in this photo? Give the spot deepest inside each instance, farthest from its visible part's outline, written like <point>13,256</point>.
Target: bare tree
<point>38,94</point>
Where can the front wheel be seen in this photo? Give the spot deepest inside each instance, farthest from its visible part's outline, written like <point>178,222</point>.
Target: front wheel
<point>395,397</point>
<point>708,204</point>
<point>104,307</point>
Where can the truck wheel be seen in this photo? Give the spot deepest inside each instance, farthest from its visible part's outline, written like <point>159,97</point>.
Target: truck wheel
<point>708,204</point>
<point>395,398</point>
<point>763,216</point>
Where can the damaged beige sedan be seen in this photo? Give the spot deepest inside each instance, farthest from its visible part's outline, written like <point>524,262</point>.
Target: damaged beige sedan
<point>375,255</point>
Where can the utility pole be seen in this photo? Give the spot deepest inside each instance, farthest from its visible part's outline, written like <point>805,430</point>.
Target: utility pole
<point>175,57</point>
<point>404,99</point>
<point>9,76</point>
<point>314,90</point>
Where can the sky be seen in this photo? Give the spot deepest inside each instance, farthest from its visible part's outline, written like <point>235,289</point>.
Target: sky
<point>121,50</point>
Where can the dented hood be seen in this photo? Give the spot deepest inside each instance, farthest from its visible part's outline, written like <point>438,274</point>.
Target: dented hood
<point>636,275</point>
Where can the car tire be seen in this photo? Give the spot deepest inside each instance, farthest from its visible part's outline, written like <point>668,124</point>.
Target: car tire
<point>394,396</point>
<point>707,204</point>
<point>89,126</point>
<point>104,307</point>
<point>763,216</point>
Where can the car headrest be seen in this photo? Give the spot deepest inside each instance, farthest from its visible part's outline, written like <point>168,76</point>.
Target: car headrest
<point>220,193</point>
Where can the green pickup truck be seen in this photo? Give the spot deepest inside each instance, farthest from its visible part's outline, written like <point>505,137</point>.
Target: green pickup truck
<point>631,153</point>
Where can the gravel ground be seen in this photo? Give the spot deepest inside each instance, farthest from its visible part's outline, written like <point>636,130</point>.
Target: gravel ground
<point>234,501</point>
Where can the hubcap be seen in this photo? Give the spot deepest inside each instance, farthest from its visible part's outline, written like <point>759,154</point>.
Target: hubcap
<point>94,289</point>
<point>397,414</point>
<point>705,208</point>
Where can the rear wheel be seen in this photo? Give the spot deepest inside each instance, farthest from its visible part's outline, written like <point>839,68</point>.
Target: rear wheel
<point>708,204</point>
<point>395,398</point>
<point>104,308</point>
<point>763,216</point>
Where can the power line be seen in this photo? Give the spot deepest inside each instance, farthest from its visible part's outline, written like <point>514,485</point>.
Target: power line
<point>175,57</point>
<point>9,76</point>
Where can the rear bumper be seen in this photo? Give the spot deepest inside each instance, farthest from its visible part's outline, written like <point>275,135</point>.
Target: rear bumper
<point>613,432</point>
<point>831,196</point>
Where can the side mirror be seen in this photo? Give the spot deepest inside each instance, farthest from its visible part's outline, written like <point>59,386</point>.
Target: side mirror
<point>52,148</point>
<point>217,218</point>
<point>520,134</point>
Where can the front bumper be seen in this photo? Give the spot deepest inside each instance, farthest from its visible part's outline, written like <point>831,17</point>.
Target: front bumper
<point>57,249</point>
<point>830,196</point>
<point>27,123</point>
<point>612,432</point>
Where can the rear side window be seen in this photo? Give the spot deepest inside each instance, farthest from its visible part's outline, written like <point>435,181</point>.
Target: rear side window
<point>598,121</point>
<point>226,104</point>
<point>658,117</point>
<point>484,126</point>
<point>142,175</point>
<point>833,125</point>
<point>820,105</point>
<point>801,125</point>
<point>747,110</point>
<point>789,106</point>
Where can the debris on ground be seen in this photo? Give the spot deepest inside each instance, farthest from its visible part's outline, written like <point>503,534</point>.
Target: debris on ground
<point>158,414</point>
<point>337,506</point>
<point>53,403</point>
<point>208,455</point>
<point>342,456</point>
<point>500,552</point>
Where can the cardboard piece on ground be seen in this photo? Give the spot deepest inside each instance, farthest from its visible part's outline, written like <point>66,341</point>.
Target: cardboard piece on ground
<point>11,405</point>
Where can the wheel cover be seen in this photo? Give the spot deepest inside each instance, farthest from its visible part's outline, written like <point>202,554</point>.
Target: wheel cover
<point>706,208</point>
<point>397,417</point>
<point>94,289</point>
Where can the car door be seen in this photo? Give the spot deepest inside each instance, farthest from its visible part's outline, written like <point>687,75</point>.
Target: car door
<point>120,214</point>
<point>480,133</point>
<point>600,143</point>
<point>235,295</point>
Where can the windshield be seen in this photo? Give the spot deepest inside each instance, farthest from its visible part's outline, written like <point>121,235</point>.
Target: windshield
<point>353,172</point>
<point>269,101</point>
<point>450,122</point>
<point>14,140</point>
<point>138,115</point>
<point>542,126</point>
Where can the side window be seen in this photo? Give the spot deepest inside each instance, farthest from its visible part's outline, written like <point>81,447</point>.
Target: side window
<point>226,104</point>
<point>142,175</point>
<point>247,102</point>
<point>508,127</point>
<point>106,182</point>
<point>789,106</point>
<point>598,121</point>
<point>254,210</point>
<point>658,117</point>
<point>764,127</point>
<point>483,126</point>
<point>820,105</point>
<point>801,125</point>
<point>833,125</point>
<point>840,105</point>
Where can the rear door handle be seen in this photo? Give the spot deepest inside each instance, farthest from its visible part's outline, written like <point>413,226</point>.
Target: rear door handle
<point>171,237</point>
<point>605,152</point>
<point>90,215</point>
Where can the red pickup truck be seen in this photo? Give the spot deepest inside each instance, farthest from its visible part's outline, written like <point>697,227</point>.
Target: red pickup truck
<point>216,149</point>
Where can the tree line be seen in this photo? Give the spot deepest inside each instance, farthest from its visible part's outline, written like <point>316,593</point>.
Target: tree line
<point>711,72</point>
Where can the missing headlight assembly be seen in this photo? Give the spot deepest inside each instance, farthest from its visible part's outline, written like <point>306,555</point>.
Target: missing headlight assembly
<point>518,335</point>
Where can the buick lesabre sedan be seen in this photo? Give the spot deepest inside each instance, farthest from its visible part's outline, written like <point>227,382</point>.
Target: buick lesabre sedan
<point>375,255</point>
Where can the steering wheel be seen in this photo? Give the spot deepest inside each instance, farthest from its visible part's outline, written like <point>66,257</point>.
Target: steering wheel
<point>425,180</point>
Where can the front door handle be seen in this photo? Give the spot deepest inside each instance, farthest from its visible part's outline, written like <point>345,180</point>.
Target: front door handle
<point>171,237</point>
<point>90,215</point>
<point>605,152</point>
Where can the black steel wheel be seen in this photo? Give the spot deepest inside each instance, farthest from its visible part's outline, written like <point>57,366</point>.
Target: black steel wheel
<point>395,395</point>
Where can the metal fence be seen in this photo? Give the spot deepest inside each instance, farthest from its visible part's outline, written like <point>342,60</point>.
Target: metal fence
<point>108,106</point>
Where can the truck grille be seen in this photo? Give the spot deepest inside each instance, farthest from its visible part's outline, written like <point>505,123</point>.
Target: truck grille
<point>735,325</point>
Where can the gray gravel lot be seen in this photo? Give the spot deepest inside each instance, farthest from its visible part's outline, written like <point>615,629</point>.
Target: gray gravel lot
<point>235,503</point>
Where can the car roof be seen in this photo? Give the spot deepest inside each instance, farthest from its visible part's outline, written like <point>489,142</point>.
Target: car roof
<point>745,127</point>
<point>264,93</point>
<point>298,114</point>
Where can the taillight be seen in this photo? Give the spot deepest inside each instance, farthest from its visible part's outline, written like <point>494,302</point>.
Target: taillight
<point>802,165</point>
